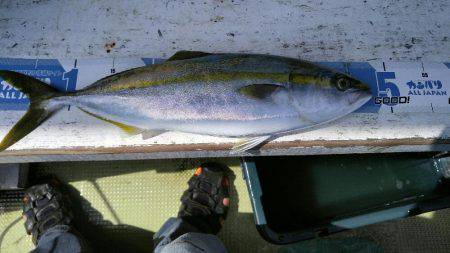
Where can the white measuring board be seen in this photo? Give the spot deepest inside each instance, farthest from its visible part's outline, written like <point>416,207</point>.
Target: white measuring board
<point>409,112</point>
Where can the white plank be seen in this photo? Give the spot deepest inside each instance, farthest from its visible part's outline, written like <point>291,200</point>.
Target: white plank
<point>116,37</point>
<point>325,30</point>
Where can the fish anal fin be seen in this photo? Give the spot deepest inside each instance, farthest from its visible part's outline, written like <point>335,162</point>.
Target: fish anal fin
<point>184,55</point>
<point>259,91</point>
<point>147,134</point>
<point>127,129</point>
<point>248,144</point>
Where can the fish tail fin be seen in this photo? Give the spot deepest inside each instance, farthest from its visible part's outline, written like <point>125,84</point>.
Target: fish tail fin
<point>38,92</point>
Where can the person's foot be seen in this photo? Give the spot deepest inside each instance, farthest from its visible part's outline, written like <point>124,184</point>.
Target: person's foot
<point>44,207</point>
<point>205,203</point>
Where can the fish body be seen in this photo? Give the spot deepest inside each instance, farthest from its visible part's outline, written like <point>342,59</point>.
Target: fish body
<point>232,95</point>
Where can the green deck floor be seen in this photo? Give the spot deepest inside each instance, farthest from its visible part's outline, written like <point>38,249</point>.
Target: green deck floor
<point>129,200</point>
<point>132,199</point>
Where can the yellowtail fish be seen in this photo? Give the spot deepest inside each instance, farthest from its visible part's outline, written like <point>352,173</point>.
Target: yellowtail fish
<point>257,97</point>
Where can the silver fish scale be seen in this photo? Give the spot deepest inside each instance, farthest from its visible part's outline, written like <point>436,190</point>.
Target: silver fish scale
<point>187,102</point>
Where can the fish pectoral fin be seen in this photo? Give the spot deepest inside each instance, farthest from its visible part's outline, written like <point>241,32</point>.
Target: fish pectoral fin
<point>184,55</point>
<point>259,91</point>
<point>247,144</point>
<point>127,129</point>
<point>147,134</point>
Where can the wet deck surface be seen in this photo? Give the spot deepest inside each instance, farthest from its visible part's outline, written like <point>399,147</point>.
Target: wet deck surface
<point>133,199</point>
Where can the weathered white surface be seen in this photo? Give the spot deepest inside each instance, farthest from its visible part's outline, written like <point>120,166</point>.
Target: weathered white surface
<point>323,30</point>
<point>314,30</point>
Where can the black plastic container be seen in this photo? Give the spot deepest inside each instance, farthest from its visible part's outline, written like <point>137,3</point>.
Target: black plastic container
<point>299,198</point>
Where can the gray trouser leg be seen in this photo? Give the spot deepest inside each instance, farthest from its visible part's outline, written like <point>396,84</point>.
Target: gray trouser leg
<point>178,236</point>
<point>60,239</point>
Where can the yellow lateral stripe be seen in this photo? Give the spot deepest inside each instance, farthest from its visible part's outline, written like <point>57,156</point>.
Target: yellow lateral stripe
<point>303,79</point>
<point>280,78</point>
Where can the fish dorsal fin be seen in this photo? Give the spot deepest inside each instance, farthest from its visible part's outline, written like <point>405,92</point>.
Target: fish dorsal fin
<point>259,91</point>
<point>184,55</point>
<point>129,130</point>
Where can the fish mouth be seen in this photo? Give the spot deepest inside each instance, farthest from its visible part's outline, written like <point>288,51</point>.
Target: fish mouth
<point>362,97</point>
<point>357,97</point>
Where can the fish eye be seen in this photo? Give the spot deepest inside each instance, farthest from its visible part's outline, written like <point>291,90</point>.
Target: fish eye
<point>343,84</point>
